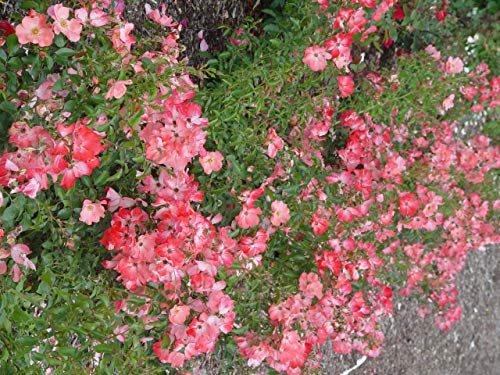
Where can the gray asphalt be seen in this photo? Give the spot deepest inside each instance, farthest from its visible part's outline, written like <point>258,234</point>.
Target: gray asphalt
<point>416,346</point>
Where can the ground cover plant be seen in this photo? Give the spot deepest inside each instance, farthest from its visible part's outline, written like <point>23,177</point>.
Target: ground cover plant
<point>147,222</point>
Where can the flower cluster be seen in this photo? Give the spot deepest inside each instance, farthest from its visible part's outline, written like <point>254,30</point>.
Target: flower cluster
<point>385,228</point>
<point>17,252</point>
<point>347,24</point>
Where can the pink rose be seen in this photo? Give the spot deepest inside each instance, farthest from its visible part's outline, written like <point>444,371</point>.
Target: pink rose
<point>454,65</point>
<point>449,102</point>
<point>274,143</point>
<point>179,314</point>
<point>70,28</point>
<point>91,212</point>
<point>118,89</point>
<point>281,213</point>
<point>248,217</point>
<point>98,18</point>
<point>211,162</point>
<point>34,29</point>
<point>346,85</point>
<point>316,58</point>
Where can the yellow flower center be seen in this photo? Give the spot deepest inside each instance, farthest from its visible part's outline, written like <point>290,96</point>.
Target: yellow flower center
<point>64,24</point>
<point>35,31</point>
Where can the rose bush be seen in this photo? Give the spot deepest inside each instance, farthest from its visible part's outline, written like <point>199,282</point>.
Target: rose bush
<point>318,181</point>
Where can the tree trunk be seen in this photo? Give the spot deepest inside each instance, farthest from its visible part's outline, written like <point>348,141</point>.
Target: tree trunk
<point>198,15</point>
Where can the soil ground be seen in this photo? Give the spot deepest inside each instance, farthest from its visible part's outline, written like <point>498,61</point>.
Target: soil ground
<point>416,346</point>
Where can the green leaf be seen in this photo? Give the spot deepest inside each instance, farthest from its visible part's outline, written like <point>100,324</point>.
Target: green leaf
<point>38,356</point>
<point>271,28</point>
<point>295,21</point>
<point>104,348</point>
<point>7,325</point>
<point>12,44</point>
<point>12,212</point>
<point>147,64</point>
<point>97,99</point>
<point>87,181</point>
<point>50,62</point>
<point>82,301</point>
<point>139,159</point>
<point>28,5</point>
<point>48,277</point>
<point>66,52</point>
<point>8,107</point>
<point>79,330</point>
<point>270,12</point>
<point>70,105</point>
<point>48,245</point>
<point>43,288</point>
<point>58,86</point>
<point>61,311</point>
<point>101,180</point>
<point>62,293</point>
<point>89,110</point>
<point>136,301</point>
<point>67,351</point>
<point>20,316</point>
<point>53,361</point>
<point>28,341</point>
<point>104,127</point>
<point>15,63</point>
<point>12,83</point>
<point>98,335</point>
<point>3,55</point>
<point>165,342</point>
<point>116,176</point>
<point>240,331</point>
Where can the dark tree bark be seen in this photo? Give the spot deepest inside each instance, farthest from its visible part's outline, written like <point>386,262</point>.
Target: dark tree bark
<point>198,15</point>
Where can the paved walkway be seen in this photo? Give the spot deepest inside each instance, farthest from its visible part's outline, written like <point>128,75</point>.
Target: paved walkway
<point>415,346</point>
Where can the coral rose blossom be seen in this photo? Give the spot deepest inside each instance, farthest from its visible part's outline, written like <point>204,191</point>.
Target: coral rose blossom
<point>408,204</point>
<point>98,18</point>
<point>316,58</point>
<point>70,28</point>
<point>346,85</point>
<point>82,15</point>
<point>448,102</point>
<point>248,217</point>
<point>211,162</point>
<point>281,213</point>
<point>179,313</point>
<point>431,50</point>
<point>274,143</point>
<point>34,29</point>
<point>117,89</point>
<point>454,65</point>
<point>91,212</point>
